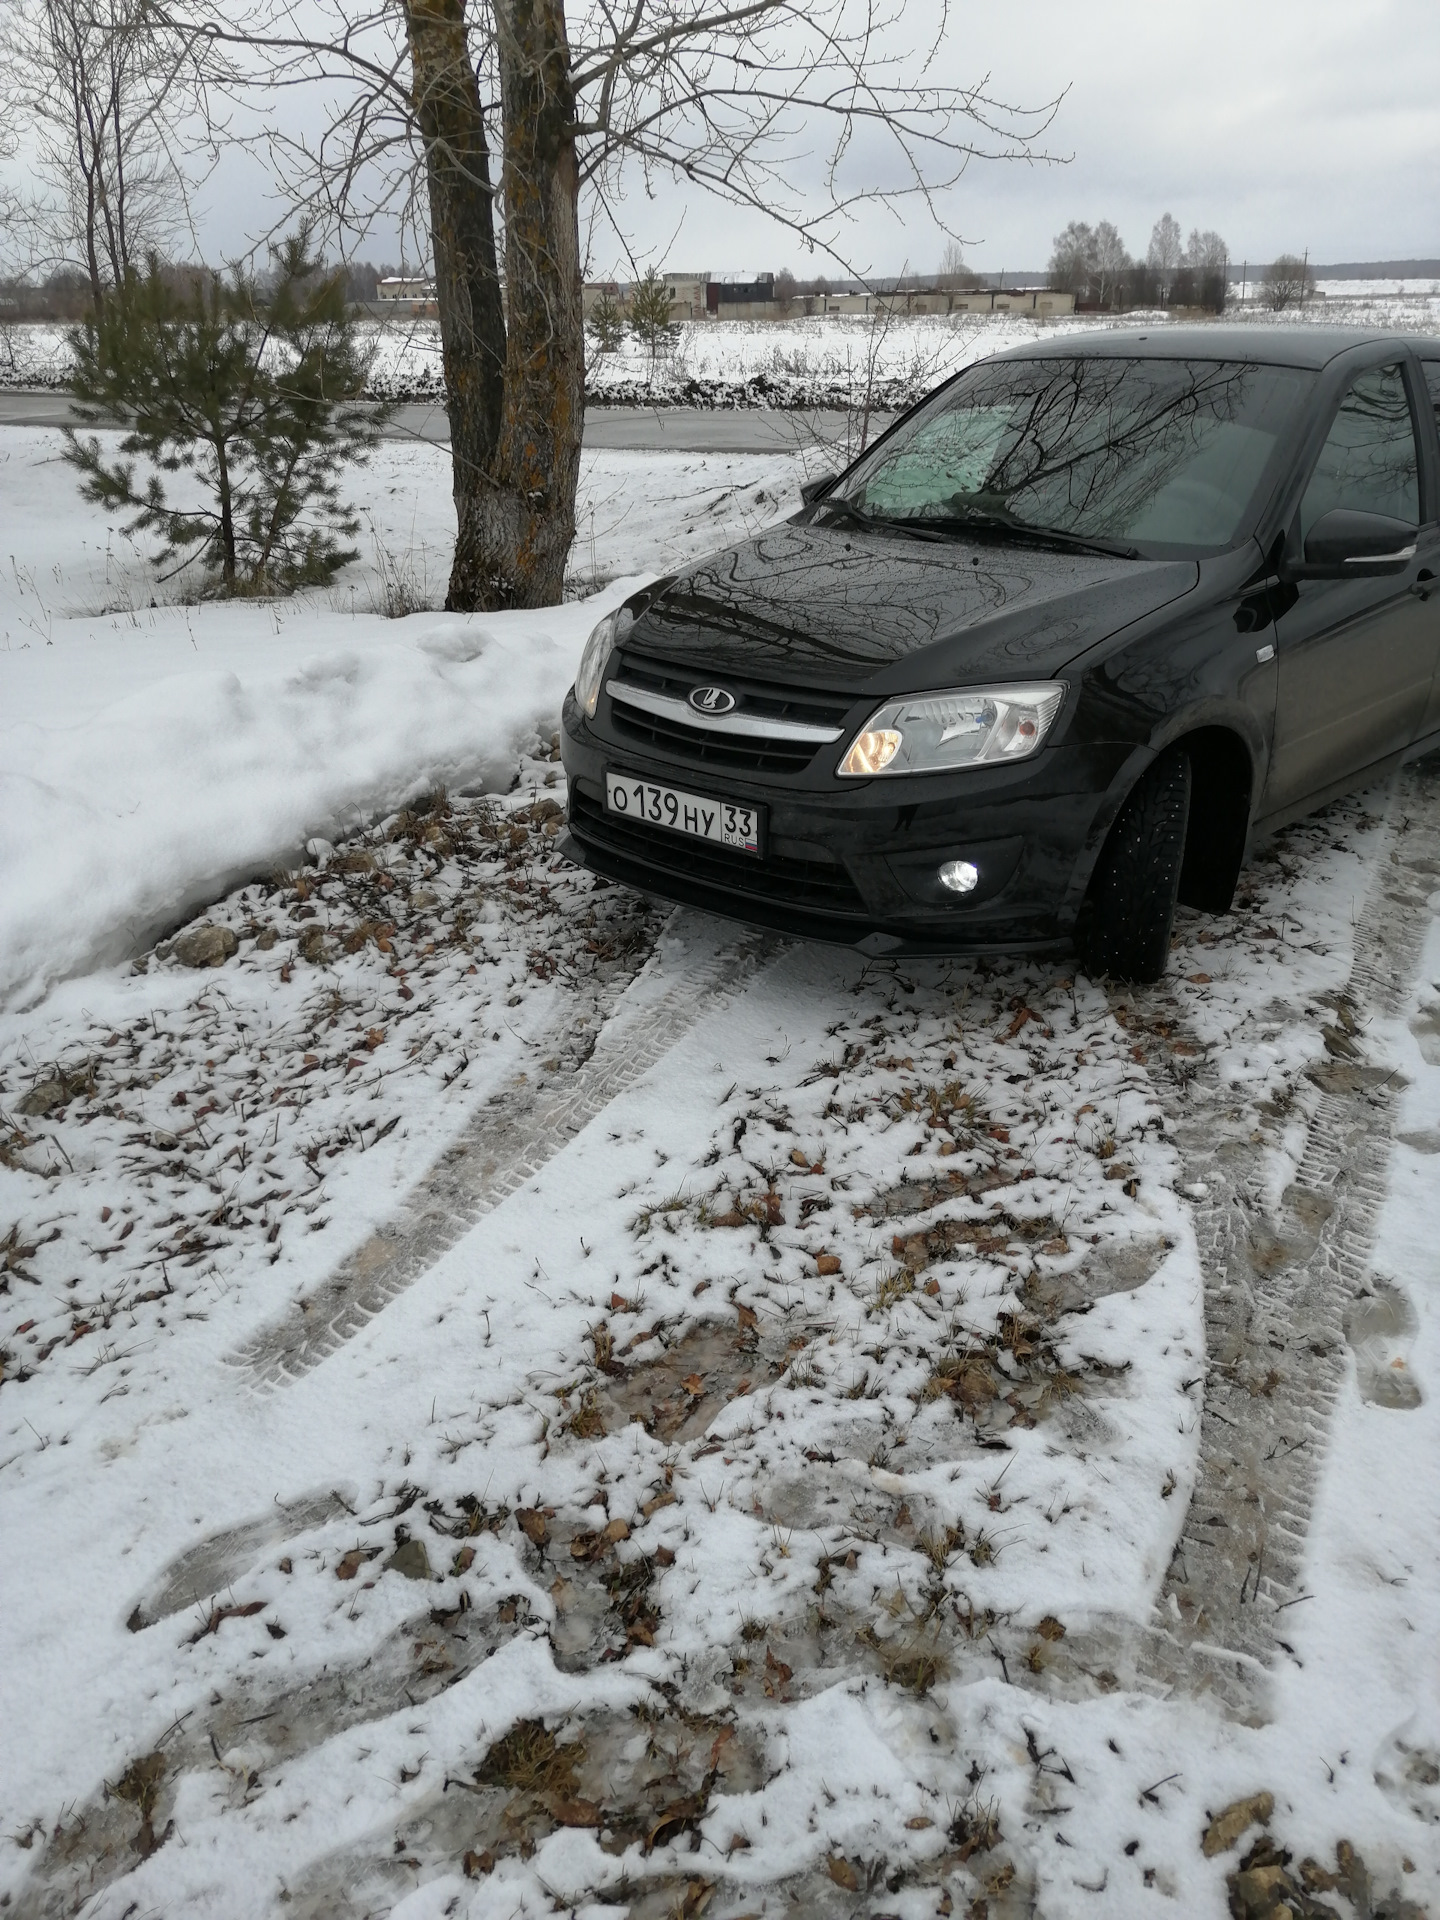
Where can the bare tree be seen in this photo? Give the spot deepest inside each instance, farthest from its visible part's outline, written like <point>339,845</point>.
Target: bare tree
<point>1207,261</point>
<point>1072,261</point>
<point>954,273</point>
<point>1164,252</point>
<point>1286,282</point>
<point>108,98</point>
<point>1112,263</point>
<point>725,95</point>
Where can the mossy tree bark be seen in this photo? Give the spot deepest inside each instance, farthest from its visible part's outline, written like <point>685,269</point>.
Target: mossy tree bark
<point>514,377</point>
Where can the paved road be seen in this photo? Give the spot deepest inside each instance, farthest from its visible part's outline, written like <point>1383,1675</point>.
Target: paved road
<point>641,429</point>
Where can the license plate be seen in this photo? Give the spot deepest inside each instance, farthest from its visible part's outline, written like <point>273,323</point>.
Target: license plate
<point>726,822</point>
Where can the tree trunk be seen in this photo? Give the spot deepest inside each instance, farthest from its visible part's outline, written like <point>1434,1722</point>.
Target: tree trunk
<point>467,282</point>
<point>525,525</point>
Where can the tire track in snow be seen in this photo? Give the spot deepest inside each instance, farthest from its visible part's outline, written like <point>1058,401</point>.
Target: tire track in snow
<point>505,1145</point>
<point>1276,1294</point>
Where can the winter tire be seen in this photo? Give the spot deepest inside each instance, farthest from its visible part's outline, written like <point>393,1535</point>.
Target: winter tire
<point>1129,910</point>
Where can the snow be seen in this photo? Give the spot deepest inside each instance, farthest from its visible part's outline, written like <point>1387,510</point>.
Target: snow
<point>155,756</point>
<point>791,1367</point>
<point>826,362</point>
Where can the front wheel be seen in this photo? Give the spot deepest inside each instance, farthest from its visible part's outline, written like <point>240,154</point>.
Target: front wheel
<point>1125,923</point>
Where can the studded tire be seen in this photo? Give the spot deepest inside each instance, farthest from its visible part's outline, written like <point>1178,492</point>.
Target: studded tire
<point>1125,924</point>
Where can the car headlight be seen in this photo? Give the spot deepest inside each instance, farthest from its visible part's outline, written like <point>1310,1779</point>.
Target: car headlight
<point>966,727</point>
<point>598,649</point>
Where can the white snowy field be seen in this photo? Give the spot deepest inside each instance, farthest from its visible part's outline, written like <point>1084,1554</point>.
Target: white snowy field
<point>820,362</point>
<point>513,1401</point>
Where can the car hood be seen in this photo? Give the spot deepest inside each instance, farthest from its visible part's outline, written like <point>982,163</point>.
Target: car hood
<point>886,613</point>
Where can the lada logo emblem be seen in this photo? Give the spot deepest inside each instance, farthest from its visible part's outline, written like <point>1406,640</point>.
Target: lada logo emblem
<point>711,700</point>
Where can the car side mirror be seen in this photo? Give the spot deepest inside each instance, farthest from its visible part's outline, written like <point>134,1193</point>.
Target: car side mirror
<point>1345,544</point>
<point>816,489</point>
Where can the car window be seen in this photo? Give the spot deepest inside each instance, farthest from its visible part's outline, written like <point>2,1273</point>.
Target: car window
<point>1165,455</point>
<point>1368,462</point>
<point>1432,381</point>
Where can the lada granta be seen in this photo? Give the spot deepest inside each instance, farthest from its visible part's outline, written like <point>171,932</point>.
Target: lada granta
<point>1044,660</point>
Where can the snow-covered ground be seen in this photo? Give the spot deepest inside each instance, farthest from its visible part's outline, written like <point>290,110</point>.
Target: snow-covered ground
<point>513,1401</point>
<point>830,362</point>
<point>154,755</point>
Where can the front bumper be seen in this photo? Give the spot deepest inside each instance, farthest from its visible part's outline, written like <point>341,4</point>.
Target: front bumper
<point>854,862</point>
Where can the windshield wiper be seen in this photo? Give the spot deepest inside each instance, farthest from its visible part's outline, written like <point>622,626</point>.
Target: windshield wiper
<point>914,529</point>
<point>970,518</point>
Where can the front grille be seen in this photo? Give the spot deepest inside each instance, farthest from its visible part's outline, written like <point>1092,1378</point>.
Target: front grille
<point>820,884</point>
<point>703,747</point>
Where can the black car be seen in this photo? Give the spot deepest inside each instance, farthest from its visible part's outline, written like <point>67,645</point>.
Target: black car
<point>1044,658</point>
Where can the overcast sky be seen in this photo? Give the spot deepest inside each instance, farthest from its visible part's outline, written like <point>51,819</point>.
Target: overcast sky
<point>1286,124</point>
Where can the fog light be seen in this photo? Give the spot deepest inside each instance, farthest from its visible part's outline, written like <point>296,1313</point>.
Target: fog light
<point>960,876</point>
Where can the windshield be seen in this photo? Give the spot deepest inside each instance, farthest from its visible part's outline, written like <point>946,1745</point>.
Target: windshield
<point>1163,457</point>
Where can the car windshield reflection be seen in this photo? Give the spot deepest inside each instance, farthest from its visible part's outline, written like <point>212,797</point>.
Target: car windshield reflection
<point>1163,458</point>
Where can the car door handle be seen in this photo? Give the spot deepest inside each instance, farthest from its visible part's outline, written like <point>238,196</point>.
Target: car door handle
<point>1423,584</point>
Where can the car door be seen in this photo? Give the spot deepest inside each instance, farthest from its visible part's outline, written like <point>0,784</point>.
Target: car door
<point>1427,581</point>
<point>1356,657</point>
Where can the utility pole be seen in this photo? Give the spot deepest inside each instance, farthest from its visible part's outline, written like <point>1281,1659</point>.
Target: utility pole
<point>1304,275</point>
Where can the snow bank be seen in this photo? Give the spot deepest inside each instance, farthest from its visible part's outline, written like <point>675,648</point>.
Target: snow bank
<point>153,756</point>
<point>118,826</point>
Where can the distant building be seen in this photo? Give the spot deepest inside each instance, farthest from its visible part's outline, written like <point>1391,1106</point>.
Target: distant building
<point>414,295</point>
<point>741,299</point>
<point>701,296</point>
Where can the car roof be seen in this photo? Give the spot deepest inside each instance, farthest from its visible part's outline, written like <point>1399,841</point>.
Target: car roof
<point>1302,346</point>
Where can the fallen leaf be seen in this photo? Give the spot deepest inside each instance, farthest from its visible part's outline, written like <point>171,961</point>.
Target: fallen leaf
<point>532,1524</point>
<point>617,1530</point>
<point>693,1385</point>
<point>463,1561</point>
<point>799,1159</point>
<point>1228,1825</point>
<point>918,1823</point>
<point>747,1317</point>
<point>576,1813</point>
<point>665,1499</point>
<point>676,1817</point>
<point>477,1863</point>
<point>843,1874</point>
<point>827,1263</point>
<point>220,1615</point>
<point>1050,1628</point>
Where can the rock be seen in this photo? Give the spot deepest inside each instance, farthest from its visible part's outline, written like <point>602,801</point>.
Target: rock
<point>1228,1825</point>
<point>265,939</point>
<point>544,810</point>
<point>205,946</point>
<point>411,1559</point>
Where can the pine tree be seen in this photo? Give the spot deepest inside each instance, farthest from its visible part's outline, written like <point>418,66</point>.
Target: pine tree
<point>251,396</point>
<point>650,312</point>
<point>606,325</point>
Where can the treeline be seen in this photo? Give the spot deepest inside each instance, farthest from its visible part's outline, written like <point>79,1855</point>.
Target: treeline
<point>1095,265</point>
<point>66,295</point>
